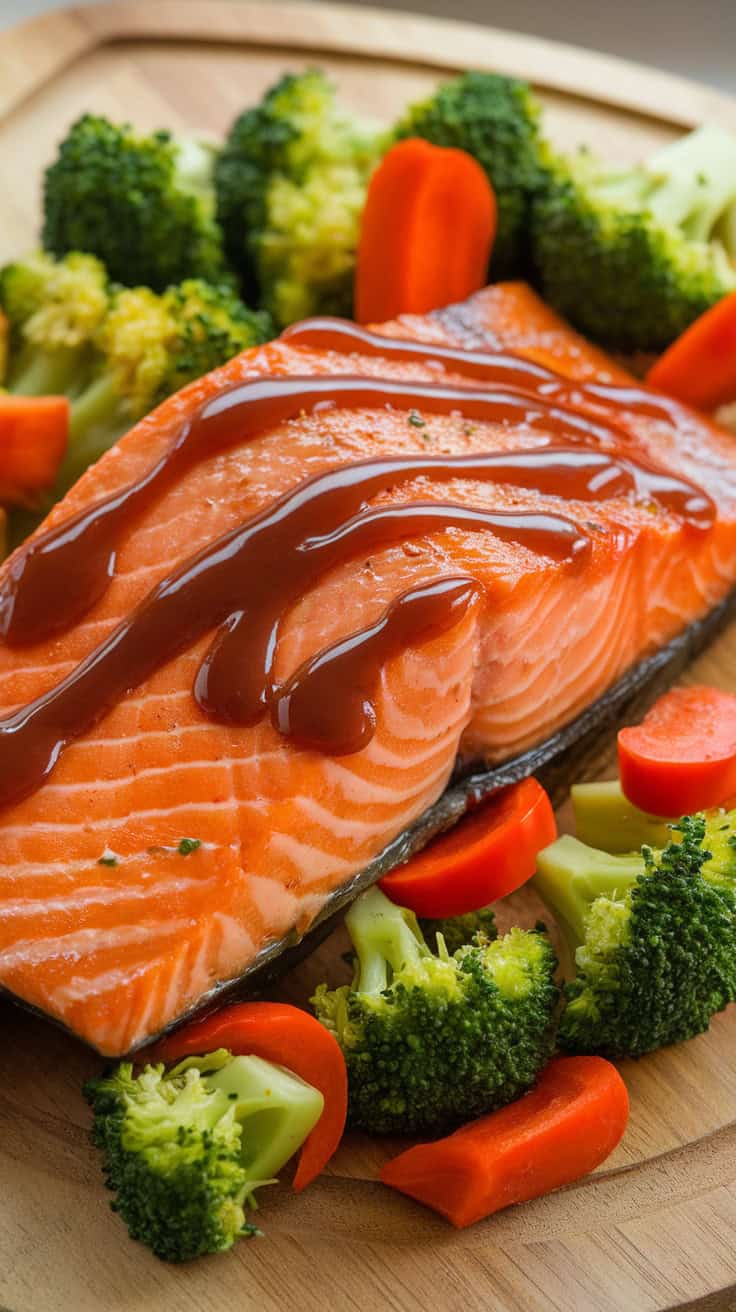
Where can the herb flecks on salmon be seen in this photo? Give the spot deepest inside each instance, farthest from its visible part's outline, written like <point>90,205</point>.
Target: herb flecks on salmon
<point>117,959</point>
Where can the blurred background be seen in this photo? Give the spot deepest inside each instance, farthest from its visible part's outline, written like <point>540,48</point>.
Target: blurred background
<point>693,37</point>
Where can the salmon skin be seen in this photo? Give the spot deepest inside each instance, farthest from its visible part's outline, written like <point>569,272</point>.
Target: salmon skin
<point>114,928</point>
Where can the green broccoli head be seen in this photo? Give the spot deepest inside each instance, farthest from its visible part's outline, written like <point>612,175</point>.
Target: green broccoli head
<point>55,303</point>
<point>653,937</point>
<point>212,325</point>
<point>633,256</point>
<point>185,1150</point>
<point>143,204</point>
<point>497,120</point>
<point>291,184</point>
<point>434,1040</point>
<point>458,931</point>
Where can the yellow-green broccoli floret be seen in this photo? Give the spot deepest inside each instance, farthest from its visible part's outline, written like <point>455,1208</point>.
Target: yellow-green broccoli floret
<point>431,1040</point>
<point>144,204</point>
<point>652,936</point>
<point>633,255</point>
<point>184,1150</point>
<point>497,120</point>
<point>291,184</point>
<point>54,309</point>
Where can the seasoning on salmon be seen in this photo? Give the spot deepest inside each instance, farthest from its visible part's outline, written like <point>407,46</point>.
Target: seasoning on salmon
<point>524,629</point>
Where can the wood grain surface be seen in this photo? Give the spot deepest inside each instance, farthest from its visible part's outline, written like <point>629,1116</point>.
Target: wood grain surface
<point>654,1228</point>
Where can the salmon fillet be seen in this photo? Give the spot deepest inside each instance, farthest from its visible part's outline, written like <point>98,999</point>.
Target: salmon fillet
<point>117,953</point>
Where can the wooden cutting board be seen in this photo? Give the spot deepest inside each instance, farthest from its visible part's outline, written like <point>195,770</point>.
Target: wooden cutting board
<point>654,1228</point>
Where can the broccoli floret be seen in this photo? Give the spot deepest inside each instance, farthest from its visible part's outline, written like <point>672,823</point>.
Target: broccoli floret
<point>184,1150</point>
<point>633,256</point>
<point>653,936</point>
<point>433,1040</point>
<point>497,120</point>
<point>116,352</point>
<point>458,931</point>
<point>144,205</point>
<point>291,184</point>
<point>54,309</point>
<point>213,325</point>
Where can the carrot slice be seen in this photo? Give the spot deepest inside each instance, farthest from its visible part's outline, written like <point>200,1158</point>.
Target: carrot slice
<point>559,1132</point>
<point>427,232</point>
<point>34,431</point>
<point>682,757</point>
<point>700,366</point>
<point>492,851</point>
<point>288,1037</point>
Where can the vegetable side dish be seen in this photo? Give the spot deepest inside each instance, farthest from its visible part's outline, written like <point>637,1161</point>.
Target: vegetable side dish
<point>294,594</point>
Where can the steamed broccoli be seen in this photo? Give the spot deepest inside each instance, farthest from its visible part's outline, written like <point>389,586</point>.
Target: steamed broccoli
<point>115,352</point>
<point>54,310</point>
<point>653,936</point>
<point>633,255</point>
<point>291,183</point>
<point>184,1150</point>
<point>497,120</point>
<point>144,205</point>
<point>458,931</point>
<point>433,1040</point>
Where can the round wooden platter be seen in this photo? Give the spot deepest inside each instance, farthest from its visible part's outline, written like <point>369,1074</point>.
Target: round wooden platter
<point>653,1229</point>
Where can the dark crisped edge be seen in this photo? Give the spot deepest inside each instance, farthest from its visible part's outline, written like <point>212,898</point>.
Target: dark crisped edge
<point>570,755</point>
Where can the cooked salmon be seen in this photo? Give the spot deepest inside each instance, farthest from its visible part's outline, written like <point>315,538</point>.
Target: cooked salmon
<point>112,927</point>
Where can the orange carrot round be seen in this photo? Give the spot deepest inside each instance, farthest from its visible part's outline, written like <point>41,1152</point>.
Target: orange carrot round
<point>288,1037</point>
<point>427,231</point>
<point>33,436</point>
<point>682,757</point>
<point>492,851</point>
<point>700,366</point>
<point>569,1123</point>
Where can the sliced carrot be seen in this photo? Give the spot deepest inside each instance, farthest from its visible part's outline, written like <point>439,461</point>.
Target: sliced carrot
<point>559,1132</point>
<point>492,851</point>
<point>700,366</point>
<point>427,232</point>
<point>34,431</point>
<point>682,757</point>
<point>288,1037</point>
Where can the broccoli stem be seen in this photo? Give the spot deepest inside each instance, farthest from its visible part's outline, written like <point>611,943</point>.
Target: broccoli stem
<point>570,876</point>
<point>97,420</point>
<point>44,373</point>
<point>385,937</point>
<point>698,173</point>
<point>276,1111</point>
<point>605,819</point>
<point>97,405</point>
<point>725,231</point>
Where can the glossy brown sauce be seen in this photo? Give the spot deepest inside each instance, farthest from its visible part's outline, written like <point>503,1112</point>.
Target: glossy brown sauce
<point>328,705</point>
<point>58,576</point>
<point>245,582</point>
<point>248,579</point>
<point>502,368</point>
